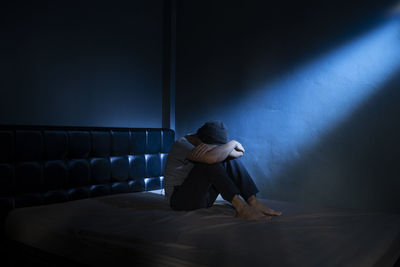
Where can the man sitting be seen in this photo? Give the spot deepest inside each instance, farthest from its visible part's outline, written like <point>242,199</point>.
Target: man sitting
<point>201,166</point>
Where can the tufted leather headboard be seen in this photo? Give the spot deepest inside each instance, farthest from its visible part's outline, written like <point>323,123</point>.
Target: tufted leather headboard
<point>49,164</point>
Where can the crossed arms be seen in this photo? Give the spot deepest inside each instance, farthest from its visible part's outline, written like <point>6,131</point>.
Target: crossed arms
<point>211,154</point>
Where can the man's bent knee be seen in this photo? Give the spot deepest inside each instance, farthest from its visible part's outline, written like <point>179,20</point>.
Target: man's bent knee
<point>237,161</point>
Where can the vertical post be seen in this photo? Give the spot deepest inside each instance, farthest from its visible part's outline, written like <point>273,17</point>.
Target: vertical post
<point>169,64</point>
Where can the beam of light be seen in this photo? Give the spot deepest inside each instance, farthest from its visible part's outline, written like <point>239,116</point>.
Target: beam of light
<point>294,112</point>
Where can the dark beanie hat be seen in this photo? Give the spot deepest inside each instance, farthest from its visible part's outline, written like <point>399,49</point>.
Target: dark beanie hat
<point>213,132</point>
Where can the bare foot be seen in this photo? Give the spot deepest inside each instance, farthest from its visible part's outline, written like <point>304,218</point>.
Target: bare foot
<point>245,211</point>
<point>251,213</point>
<point>255,203</point>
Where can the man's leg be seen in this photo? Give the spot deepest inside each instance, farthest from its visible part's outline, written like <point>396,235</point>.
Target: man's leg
<point>241,178</point>
<point>248,189</point>
<point>202,186</point>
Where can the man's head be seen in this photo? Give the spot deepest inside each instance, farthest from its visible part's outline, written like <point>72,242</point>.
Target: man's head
<point>213,132</point>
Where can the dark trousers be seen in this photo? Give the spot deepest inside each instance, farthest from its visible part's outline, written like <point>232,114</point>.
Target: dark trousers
<point>205,181</point>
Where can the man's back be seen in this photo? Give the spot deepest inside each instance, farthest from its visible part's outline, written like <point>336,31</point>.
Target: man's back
<point>177,166</point>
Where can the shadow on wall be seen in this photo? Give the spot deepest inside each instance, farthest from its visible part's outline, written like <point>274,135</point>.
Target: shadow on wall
<point>355,165</point>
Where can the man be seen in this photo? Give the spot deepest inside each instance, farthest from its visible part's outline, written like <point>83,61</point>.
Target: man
<point>201,166</point>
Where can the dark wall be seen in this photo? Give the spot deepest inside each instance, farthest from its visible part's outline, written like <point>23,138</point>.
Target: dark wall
<point>81,63</point>
<point>309,87</point>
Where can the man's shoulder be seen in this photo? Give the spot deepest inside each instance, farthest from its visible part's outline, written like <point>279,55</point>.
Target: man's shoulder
<point>182,143</point>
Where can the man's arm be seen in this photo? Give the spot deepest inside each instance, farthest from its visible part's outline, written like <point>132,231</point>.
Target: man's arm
<point>211,154</point>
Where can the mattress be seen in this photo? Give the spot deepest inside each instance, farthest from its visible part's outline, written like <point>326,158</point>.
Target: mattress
<point>140,228</point>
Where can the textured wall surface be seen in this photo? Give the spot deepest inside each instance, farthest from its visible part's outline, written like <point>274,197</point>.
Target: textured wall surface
<point>310,92</point>
<point>89,63</point>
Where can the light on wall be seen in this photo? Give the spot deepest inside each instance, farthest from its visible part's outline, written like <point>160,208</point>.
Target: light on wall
<point>294,112</point>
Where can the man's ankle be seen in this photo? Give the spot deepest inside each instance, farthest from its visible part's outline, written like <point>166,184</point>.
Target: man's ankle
<point>238,204</point>
<point>252,200</point>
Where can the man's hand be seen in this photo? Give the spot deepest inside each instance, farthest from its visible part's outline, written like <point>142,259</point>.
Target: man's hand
<point>236,154</point>
<point>239,147</point>
<point>238,150</point>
